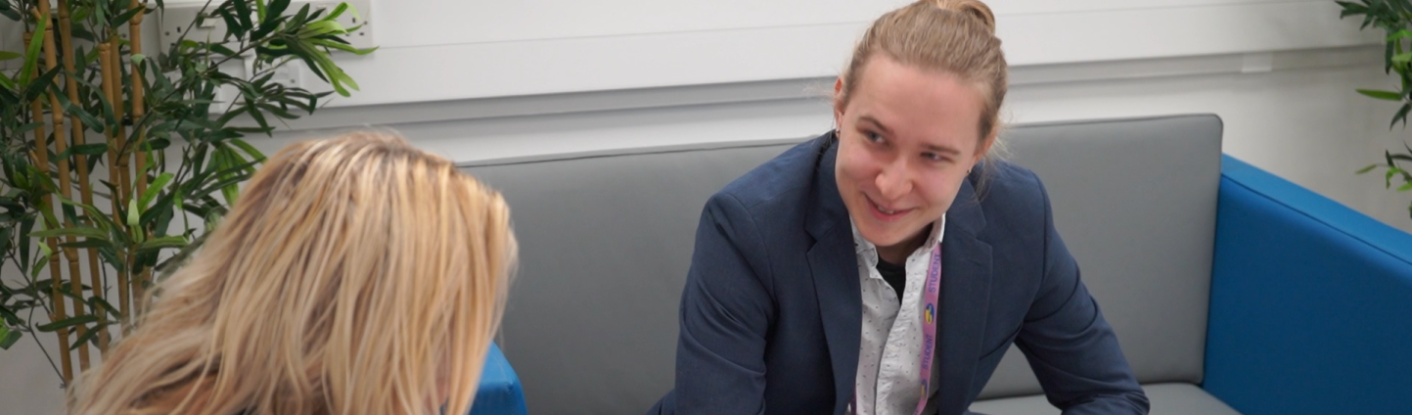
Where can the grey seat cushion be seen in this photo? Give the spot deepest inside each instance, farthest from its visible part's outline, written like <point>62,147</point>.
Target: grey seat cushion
<point>1166,398</point>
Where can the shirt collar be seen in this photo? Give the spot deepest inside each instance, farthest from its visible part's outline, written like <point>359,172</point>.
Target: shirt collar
<point>861,246</point>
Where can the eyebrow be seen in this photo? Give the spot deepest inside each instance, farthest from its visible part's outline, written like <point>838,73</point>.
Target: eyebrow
<point>874,121</point>
<point>929,147</point>
<point>942,149</point>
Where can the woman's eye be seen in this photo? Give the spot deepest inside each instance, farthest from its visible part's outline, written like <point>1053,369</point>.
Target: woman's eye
<point>873,137</point>
<point>936,158</point>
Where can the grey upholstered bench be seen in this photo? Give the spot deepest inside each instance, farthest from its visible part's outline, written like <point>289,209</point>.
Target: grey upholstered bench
<point>606,239</point>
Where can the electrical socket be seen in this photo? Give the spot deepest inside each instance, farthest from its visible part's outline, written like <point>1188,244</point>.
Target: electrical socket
<point>176,19</point>
<point>290,75</point>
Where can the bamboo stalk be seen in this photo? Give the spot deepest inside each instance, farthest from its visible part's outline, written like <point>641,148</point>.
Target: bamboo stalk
<point>124,182</point>
<point>138,110</point>
<point>85,188</point>
<point>105,60</point>
<point>51,61</point>
<point>41,160</point>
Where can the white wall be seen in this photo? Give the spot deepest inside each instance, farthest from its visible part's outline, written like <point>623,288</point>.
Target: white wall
<point>478,80</point>
<point>1293,113</point>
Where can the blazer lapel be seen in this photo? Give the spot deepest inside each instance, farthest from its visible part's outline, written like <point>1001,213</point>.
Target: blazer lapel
<point>965,300</point>
<point>835,270</point>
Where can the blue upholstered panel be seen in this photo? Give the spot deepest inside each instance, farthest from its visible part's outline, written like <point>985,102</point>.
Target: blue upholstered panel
<point>500,392</point>
<point>1311,303</point>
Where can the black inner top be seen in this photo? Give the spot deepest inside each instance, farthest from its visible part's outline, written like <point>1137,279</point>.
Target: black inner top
<point>895,275</point>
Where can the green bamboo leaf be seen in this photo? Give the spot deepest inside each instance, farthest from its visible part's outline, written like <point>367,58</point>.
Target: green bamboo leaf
<point>8,11</point>
<point>259,119</point>
<point>79,231</point>
<point>87,243</point>
<point>1367,169</point>
<point>158,214</point>
<point>273,18</point>
<point>6,84</point>
<point>255,155</point>
<point>10,317</point>
<point>242,12</point>
<point>89,149</point>
<point>154,189</point>
<point>40,84</point>
<point>133,215</point>
<point>1401,116</point>
<point>100,10</point>
<point>321,28</point>
<point>127,15</point>
<point>341,46</point>
<point>1350,6</point>
<point>86,337</point>
<point>25,226</point>
<point>84,149</point>
<point>7,55</point>
<point>1383,95</point>
<point>36,43</point>
<point>1402,58</point>
<point>68,322</point>
<point>338,11</point>
<point>162,242</point>
<point>8,337</point>
<point>96,302</point>
<point>93,213</point>
<point>1405,187</point>
<point>156,144</point>
<point>233,27</point>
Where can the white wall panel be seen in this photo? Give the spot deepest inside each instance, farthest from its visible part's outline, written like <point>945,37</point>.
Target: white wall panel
<point>519,52</point>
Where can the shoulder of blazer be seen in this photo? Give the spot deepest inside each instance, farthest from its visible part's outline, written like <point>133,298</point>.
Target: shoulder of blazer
<point>783,181</point>
<point>1012,197</point>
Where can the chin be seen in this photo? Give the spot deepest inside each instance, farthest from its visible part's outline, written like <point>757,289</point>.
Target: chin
<point>881,237</point>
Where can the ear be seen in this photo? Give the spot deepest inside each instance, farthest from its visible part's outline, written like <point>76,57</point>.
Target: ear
<point>838,100</point>
<point>984,148</point>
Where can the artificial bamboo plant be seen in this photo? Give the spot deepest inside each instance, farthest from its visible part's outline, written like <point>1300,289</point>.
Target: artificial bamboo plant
<point>110,150</point>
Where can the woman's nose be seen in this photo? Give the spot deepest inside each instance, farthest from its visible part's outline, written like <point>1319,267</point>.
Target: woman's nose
<point>893,182</point>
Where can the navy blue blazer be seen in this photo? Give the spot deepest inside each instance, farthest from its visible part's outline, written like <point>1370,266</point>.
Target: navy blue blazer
<point>771,312</point>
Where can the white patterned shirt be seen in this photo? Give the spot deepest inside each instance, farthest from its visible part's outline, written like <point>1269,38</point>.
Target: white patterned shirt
<point>889,379</point>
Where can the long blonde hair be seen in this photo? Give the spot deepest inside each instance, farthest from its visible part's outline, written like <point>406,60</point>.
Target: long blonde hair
<point>355,275</point>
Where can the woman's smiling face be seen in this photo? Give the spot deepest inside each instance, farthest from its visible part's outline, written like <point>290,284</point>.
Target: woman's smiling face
<point>907,139</point>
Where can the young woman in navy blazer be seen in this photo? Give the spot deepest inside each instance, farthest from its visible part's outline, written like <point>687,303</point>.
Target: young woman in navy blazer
<point>886,267</point>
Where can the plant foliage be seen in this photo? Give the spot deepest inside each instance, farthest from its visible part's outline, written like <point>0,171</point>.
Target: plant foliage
<point>115,161</point>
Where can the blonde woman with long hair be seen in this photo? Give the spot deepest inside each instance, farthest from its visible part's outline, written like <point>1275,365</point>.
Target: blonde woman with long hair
<point>355,275</point>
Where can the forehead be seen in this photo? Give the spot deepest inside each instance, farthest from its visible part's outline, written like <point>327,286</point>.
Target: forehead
<point>914,101</point>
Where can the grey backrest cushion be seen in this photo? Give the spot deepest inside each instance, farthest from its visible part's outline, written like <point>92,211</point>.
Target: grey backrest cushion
<point>606,238</point>
<point>1135,201</point>
<point>605,241</point>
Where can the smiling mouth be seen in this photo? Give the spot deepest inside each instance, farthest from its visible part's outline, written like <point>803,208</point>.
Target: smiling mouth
<point>883,212</point>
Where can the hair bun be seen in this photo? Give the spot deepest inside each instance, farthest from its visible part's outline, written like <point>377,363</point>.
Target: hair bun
<point>973,8</point>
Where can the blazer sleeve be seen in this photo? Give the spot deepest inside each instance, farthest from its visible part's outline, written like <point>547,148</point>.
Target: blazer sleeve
<point>726,312</point>
<point>1071,348</point>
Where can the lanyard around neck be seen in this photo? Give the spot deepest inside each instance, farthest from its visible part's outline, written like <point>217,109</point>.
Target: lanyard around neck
<point>931,290</point>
